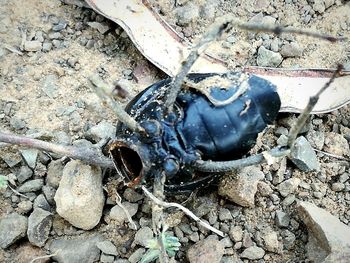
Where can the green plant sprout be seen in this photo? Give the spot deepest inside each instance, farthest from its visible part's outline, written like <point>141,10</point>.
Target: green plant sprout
<point>171,244</point>
<point>3,182</point>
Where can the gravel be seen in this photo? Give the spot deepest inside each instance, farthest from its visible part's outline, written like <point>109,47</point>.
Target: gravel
<point>268,58</point>
<point>39,226</point>
<point>12,228</point>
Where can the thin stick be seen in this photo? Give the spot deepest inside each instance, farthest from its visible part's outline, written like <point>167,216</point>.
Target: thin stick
<point>16,192</point>
<point>213,33</point>
<point>288,30</point>
<point>184,209</point>
<point>46,256</point>
<point>332,155</point>
<point>118,200</point>
<point>101,89</point>
<point>225,166</point>
<point>86,155</point>
<point>226,23</point>
<point>157,214</point>
<point>300,122</point>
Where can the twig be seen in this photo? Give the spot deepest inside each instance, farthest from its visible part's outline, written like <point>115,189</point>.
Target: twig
<point>213,33</point>
<point>84,154</point>
<point>101,89</point>
<point>226,23</point>
<point>225,166</point>
<point>17,193</point>
<point>288,30</point>
<point>118,200</point>
<point>46,256</point>
<point>333,155</point>
<point>157,214</point>
<point>300,122</point>
<point>184,209</point>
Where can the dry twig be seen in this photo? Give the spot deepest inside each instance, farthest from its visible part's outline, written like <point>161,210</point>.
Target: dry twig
<point>101,89</point>
<point>184,209</point>
<point>87,155</point>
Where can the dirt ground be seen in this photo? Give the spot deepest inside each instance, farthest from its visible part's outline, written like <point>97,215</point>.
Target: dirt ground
<point>46,93</point>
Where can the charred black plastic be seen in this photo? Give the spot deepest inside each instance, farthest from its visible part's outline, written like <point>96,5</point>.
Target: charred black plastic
<point>196,129</point>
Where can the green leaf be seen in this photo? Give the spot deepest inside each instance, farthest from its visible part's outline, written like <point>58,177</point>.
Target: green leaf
<point>3,181</point>
<point>150,255</point>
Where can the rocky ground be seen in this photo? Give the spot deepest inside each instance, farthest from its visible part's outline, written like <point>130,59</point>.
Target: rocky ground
<point>60,206</point>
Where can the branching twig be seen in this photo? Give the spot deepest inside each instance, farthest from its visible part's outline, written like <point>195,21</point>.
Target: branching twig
<point>87,155</point>
<point>225,166</point>
<point>300,122</point>
<point>214,32</point>
<point>101,89</point>
<point>184,209</point>
<point>223,24</point>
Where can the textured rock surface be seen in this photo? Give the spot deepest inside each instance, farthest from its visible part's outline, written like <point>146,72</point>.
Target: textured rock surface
<point>79,197</point>
<point>77,250</point>
<point>208,250</point>
<point>241,188</point>
<point>39,226</point>
<point>329,238</point>
<point>12,228</point>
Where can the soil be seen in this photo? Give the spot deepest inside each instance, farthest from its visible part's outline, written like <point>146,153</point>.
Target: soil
<point>46,93</point>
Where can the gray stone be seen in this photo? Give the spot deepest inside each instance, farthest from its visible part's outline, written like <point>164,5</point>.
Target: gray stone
<point>132,196</point>
<point>117,213</point>
<point>49,193</point>
<point>282,219</point>
<point>288,239</point>
<point>137,255</point>
<point>60,26</point>
<point>319,6</point>
<point>203,205</point>
<point>336,144</point>
<point>291,50</point>
<point>143,236</point>
<point>41,202</point>
<point>31,186</point>
<point>24,207</point>
<point>316,139</point>
<point>17,124</point>
<point>47,46</point>
<point>107,247</point>
<point>303,156</point>
<point>224,214</point>
<point>101,27</point>
<point>54,173</point>
<point>32,46</point>
<point>330,240</point>
<point>187,13</point>
<point>30,156</point>
<point>76,250</point>
<point>236,233</point>
<point>103,130</point>
<point>79,197</point>
<point>49,86</point>
<point>241,188</point>
<point>24,174</point>
<point>12,228</point>
<point>208,250</point>
<point>338,187</point>
<point>253,253</point>
<point>55,35</point>
<point>39,226</point>
<point>268,58</point>
<point>270,241</point>
<point>289,186</point>
<point>106,258</point>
